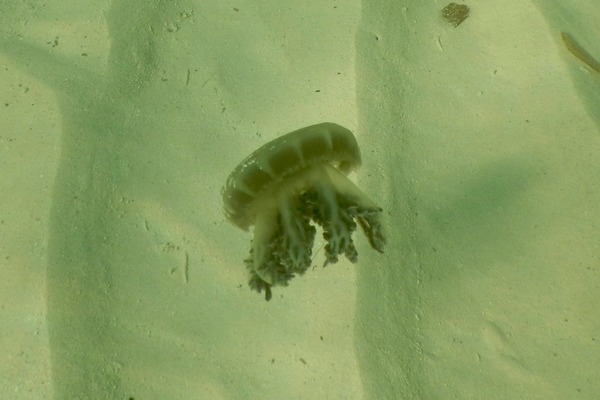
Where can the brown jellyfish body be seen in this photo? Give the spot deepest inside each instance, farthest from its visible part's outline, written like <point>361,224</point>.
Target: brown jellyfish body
<point>286,187</point>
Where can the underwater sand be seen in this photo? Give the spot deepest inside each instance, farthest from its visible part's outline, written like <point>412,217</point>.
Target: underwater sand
<point>121,278</point>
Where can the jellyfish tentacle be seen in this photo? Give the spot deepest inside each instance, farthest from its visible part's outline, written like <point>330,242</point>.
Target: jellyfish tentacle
<point>337,225</point>
<point>298,236</point>
<point>368,219</point>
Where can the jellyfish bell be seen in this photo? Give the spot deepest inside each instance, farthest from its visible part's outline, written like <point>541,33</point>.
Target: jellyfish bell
<point>288,185</point>
<point>324,143</point>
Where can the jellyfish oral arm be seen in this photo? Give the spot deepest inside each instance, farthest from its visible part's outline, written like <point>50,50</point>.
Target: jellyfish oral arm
<point>365,211</point>
<point>345,202</point>
<point>283,232</point>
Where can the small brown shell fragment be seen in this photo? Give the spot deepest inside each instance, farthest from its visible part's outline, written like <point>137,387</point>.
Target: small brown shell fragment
<point>455,13</point>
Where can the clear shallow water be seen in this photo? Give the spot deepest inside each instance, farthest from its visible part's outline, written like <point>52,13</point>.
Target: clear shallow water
<point>123,279</point>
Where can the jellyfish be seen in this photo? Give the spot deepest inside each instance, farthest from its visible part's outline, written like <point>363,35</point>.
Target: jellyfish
<point>287,187</point>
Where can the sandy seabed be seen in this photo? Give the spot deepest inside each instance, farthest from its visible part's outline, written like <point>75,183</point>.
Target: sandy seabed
<point>121,278</point>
